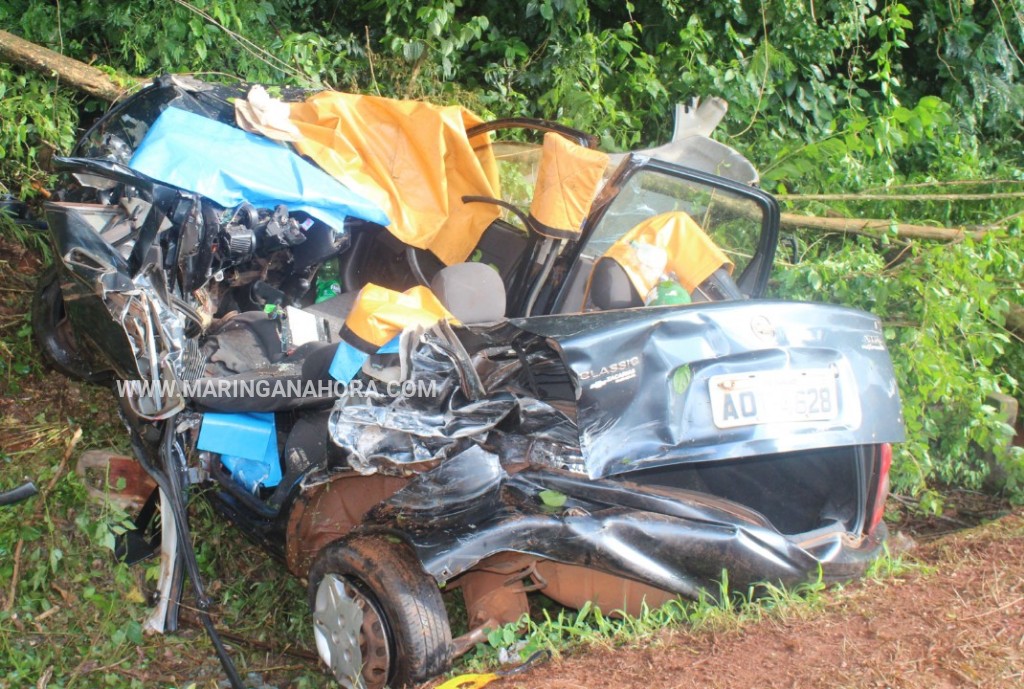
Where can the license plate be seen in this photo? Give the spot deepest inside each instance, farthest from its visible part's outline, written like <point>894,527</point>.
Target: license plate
<point>763,397</point>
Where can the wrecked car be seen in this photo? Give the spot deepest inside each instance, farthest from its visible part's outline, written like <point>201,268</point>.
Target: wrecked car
<point>409,349</point>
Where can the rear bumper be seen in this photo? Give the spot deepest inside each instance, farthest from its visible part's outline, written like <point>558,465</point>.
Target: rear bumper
<point>847,559</point>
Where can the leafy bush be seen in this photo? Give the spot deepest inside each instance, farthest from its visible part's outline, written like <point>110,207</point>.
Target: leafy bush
<point>943,308</point>
<point>37,120</point>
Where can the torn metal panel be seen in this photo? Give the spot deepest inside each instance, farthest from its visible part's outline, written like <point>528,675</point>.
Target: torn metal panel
<point>405,434</point>
<point>329,508</point>
<point>682,549</point>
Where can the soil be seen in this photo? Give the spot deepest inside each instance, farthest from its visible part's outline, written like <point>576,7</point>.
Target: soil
<point>957,622</point>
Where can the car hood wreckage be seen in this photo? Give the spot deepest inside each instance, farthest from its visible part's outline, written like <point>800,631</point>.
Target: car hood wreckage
<point>405,349</point>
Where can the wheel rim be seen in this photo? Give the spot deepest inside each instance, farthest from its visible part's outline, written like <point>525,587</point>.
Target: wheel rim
<point>350,634</point>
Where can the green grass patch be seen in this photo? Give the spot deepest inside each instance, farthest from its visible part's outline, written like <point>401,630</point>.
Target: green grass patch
<point>559,630</point>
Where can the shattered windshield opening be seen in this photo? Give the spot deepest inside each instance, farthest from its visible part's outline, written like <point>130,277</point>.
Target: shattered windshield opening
<point>731,221</point>
<point>720,222</point>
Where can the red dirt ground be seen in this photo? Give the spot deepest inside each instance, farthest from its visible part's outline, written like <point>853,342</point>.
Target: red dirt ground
<point>961,624</point>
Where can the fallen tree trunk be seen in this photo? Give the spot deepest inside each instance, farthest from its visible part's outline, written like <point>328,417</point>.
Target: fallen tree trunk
<point>77,74</point>
<point>994,196</point>
<point>876,228</point>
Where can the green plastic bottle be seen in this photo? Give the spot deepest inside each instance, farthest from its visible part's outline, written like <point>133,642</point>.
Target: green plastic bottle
<point>668,292</point>
<point>328,284</point>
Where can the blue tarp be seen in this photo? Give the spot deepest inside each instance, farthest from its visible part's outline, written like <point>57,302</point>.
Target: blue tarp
<point>229,166</point>
<point>348,360</point>
<point>247,444</point>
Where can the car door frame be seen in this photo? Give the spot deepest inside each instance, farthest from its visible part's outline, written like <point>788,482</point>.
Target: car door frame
<point>752,281</point>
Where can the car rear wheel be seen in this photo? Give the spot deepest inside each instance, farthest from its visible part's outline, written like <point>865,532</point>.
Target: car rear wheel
<point>378,619</point>
<point>54,335</point>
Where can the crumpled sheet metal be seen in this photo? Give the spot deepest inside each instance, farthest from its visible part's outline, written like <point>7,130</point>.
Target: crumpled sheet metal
<point>156,334</point>
<point>152,335</point>
<point>453,487</point>
<point>397,438</point>
<point>469,509</point>
<point>406,434</point>
<point>474,506</point>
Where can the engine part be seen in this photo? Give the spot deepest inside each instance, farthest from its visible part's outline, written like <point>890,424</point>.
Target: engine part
<point>241,241</point>
<point>282,229</point>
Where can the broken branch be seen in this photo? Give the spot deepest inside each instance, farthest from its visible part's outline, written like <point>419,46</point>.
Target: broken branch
<point>904,197</point>
<point>83,77</point>
<point>875,228</point>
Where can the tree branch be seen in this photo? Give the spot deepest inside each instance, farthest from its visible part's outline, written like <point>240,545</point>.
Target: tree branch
<point>876,228</point>
<point>904,197</point>
<point>83,77</point>
<point>1015,320</point>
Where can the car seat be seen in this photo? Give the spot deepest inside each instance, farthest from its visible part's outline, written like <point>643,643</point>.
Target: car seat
<point>472,292</point>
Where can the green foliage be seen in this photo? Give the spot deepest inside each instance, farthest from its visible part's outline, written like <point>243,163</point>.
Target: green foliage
<point>859,150</point>
<point>943,309</point>
<point>37,118</point>
<point>970,54</point>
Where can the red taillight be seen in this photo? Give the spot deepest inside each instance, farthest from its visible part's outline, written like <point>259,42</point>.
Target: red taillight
<point>882,492</point>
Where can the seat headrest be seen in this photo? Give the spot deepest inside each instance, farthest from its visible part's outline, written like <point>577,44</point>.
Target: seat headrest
<point>473,292</point>
<point>610,287</point>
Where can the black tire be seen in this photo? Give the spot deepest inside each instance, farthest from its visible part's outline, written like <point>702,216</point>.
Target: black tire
<point>389,577</point>
<point>54,335</point>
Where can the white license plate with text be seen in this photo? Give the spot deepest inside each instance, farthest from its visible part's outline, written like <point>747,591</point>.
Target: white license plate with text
<point>763,397</point>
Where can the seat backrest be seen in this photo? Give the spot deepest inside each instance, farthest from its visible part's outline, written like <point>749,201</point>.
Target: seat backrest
<point>472,292</point>
<point>610,287</point>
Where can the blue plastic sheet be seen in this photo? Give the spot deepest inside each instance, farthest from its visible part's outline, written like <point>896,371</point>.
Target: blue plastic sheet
<point>247,444</point>
<point>348,360</point>
<point>229,166</point>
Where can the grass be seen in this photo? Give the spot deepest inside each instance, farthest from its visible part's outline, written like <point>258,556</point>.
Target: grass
<point>891,566</point>
<point>562,630</point>
<point>559,630</point>
<point>75,617</point>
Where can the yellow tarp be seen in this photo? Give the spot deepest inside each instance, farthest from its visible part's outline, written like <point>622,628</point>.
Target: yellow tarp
<point>670,243</point>
<point>380,313</point>
<point>567,181</point>
<point>411,158</point>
